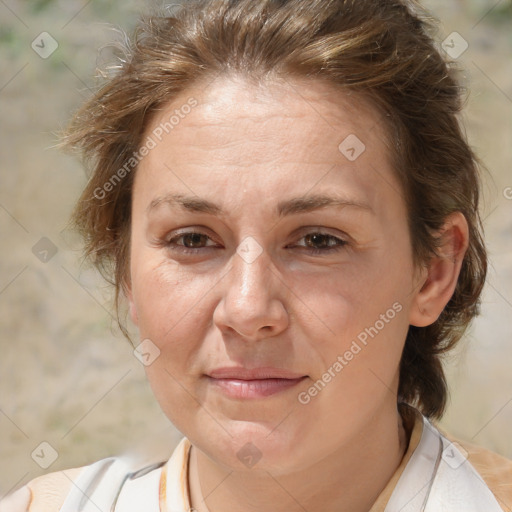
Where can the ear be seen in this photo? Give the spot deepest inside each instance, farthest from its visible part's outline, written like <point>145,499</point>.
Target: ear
<point>127,290</point>
<point>439,279</point>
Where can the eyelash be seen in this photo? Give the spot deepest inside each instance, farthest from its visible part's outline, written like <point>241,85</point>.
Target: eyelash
<point>338,243</point>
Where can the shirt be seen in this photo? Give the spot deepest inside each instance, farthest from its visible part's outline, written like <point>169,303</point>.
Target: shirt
<point>436,474</point>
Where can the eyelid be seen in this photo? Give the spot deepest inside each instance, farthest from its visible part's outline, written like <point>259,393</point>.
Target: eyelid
<point>320,230</point>
<point>190,231</point>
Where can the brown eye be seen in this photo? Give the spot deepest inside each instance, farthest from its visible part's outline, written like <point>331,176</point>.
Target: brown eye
<point>317,243</point>
<point>194,240</point>
<point>190,243</point>
<point>320,241</point>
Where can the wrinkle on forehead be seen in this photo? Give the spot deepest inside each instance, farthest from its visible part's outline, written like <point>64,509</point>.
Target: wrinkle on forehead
<point>229,100</point>
<point>238,125</point>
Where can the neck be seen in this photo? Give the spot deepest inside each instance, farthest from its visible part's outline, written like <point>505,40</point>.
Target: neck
<point>362,469</point>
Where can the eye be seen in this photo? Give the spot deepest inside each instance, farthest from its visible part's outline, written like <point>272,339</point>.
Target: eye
<point>318,243</point>
<point>190,242</point>
<point>193,242</point>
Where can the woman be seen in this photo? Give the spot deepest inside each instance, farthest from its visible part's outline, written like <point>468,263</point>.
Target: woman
<point>283,194</point>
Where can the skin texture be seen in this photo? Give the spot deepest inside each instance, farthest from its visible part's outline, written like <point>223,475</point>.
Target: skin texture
<point>247,148</point>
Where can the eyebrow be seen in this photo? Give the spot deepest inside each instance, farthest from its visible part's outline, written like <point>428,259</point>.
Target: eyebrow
<point>296,205</point>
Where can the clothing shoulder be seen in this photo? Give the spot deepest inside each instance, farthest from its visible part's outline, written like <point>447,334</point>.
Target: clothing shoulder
<point>103,480</point>
<point>495,470</point>
<point>43,494</point>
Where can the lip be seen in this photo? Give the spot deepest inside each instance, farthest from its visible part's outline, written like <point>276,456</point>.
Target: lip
<point>239,382</point>
<point>241,373</point>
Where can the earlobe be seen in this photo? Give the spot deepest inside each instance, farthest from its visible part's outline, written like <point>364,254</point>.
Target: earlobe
<point>436,288</point>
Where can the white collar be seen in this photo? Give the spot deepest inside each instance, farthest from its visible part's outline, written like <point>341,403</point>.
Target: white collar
<point>437,478</point>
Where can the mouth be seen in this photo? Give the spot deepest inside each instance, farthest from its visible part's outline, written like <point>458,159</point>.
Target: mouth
<point>253,383</point>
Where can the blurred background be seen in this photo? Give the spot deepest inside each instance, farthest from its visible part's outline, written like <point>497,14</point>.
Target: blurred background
<point>71,390</point>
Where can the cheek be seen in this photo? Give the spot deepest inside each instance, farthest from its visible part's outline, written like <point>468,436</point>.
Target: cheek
<point>166,297</point>
<point>359,363</point>
<point>173,313</point>
<point>352,298</point>
<point>364,319</point>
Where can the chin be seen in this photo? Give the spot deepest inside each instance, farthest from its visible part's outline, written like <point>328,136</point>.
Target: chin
<point>252,446</point>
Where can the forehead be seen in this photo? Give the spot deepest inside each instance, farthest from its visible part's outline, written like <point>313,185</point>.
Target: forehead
<point>284,133</point>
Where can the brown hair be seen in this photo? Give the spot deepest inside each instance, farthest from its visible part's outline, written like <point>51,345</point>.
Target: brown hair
<point>381,50</point>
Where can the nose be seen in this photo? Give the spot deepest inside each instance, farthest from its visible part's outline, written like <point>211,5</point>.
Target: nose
<point>252,300</point>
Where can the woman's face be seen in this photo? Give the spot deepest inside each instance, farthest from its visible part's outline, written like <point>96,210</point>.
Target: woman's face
<point>271,265</point>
